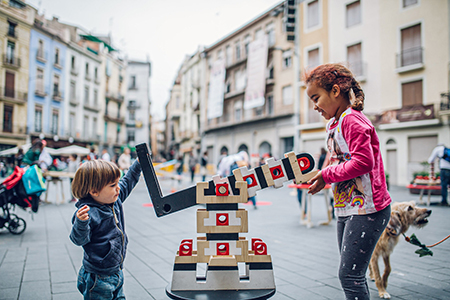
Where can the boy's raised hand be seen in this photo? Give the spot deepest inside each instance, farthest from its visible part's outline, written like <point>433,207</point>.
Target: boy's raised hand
<point>82,213</point>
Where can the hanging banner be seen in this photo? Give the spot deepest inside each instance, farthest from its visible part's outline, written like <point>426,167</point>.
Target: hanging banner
<point>216,89</point>
<point>256,73</point>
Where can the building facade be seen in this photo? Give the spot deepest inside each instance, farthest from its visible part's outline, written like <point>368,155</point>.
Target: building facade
<point>47,82</point>
<point>260,122</point>
<point>16,19</point>
<point>137,118</point>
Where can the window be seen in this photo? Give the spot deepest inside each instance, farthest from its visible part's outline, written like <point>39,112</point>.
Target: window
<point>353,13</point>
<point>287,59</point>
<point>412,93</point>
<point>411,43</point>
<point>354,58</point>
<point>12,29</point>
<point>238,111</point>
<point>270,29</point>
<point>132,115</point>
<point>40,53</point>
<point>259,34</point>
<point>177,102</point>
<point>86,95</point>
<point>240,79</point>
<point>238,50</point>
<point>56,86</point>
<point>287,95</point>
<point>95,98</point>
<point>9,84</point>
<point>130,136</point>
<point>56,56</point>
<point>270,104</point>
<point>313,58</point>
<point>133,82</point>
<point>313,14</point>
<point>94,128</point>
<point>7,118</point>
<point>407,3</point>
<point>38,118</point>
<point>229,52</point>
<point>72,91</point>
<point>247,41</point>
<point>55,122</point>
<point>72,124</point>
<point>72,64</point>
<point>40,81</point>
<point>16,4</point>
<point>10,53</point>
<point>86,126</point>
<point>87,70</point>
<point>96,73</point>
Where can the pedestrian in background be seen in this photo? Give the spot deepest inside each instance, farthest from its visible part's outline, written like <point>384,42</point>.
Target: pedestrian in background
<point>192,165</point>
<point>363,210</point>
<point>179,165</point>
<point>444,166</point>
<point>203,164</point>
<point>99,226</point>
<point>92,155</point>
<point>45,159</point>
<point>124,161</point>
<point>19,157</point>
<point>105,155</point>
<point>31,157</point>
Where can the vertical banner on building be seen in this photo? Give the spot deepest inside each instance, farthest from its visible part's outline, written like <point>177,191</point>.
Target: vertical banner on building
<point>256,73</point>
<point>216,89</point>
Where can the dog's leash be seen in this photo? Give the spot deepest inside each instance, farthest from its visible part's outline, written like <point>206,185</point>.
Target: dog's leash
<point>423,248</point>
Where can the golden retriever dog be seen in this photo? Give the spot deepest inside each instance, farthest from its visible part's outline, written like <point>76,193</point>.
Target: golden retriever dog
<point>403,215</point>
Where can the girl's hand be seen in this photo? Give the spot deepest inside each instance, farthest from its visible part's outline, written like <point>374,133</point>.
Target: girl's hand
<point>317,184</point>
<point>82,213</point>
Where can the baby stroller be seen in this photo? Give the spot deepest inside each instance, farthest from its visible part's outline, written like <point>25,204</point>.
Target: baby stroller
<point>12,193</point>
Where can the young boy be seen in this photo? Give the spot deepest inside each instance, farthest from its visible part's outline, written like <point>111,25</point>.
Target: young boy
<point>98,226</point>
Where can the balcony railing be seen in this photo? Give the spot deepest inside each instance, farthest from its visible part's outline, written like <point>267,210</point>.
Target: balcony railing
<point>57,96</point>
<point>41,55</point>
<point>9,129</point>
<point>115,97</point>
<point>133,106</point>
<point>445,101</point>
<point>11,61</point>
<point>409,57</point>
<point>13,95</point>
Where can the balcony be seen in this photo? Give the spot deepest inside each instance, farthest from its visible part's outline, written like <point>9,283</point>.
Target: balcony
<point>57,96</point>
<point>74,100</point>
<point>11,61</point>
<point>87,77</point>
<point>13,96</point>
<point>90,107</point>
<point>118,120</point>
<point>116,97</point>
<point>41,56</point>
<point>74,71</point>
<point>405,117</point>
<point>9,130</point>
<point>40,92</point>
<point>445,104</point>
<point>410,59</point>
<point>133,106</point>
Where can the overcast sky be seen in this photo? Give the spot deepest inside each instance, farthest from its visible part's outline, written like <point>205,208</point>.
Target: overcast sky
<point>163,30</point>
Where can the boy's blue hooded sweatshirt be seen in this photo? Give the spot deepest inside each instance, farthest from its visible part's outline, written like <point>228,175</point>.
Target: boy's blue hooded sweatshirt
<point>103,235</point>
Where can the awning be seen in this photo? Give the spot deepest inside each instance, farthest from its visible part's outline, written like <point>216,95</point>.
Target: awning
<point>97,40</point>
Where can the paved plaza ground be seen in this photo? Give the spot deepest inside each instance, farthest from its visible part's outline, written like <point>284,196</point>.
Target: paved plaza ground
<point>42,263</point>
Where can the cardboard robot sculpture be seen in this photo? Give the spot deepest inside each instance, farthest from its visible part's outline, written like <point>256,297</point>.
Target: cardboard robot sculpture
<point>222,222</point>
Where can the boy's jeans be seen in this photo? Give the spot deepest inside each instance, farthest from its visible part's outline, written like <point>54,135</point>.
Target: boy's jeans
<point>100,287</point>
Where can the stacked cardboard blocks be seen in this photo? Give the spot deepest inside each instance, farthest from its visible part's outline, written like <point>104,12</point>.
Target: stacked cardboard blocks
<point>222,221</point>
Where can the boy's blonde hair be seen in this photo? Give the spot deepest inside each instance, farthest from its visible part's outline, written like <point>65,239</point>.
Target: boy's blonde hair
<point>93,176</point>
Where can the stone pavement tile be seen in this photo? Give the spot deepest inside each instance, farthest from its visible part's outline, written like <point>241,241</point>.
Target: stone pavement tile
<point>61,276</point>
<point>430,291</point>
<point>329,292</point>
<point>279,296</point>
<point>68,296</point>
<point>65,287</point>
<point>36,265</point>
<point>149,279</point>
<point>158,293</point>
<point>36,290</point>
<point>36,275</point>
<point>10,275</point>
<point>134,290</point>
<point>9,293</point>
<point>295,292</point>
<point>16,255</point>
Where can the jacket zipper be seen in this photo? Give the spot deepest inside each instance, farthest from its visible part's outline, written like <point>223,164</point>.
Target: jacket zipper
<point>123,237</point>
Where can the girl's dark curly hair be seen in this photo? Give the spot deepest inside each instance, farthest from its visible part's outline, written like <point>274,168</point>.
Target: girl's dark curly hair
<point>327,75</point>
